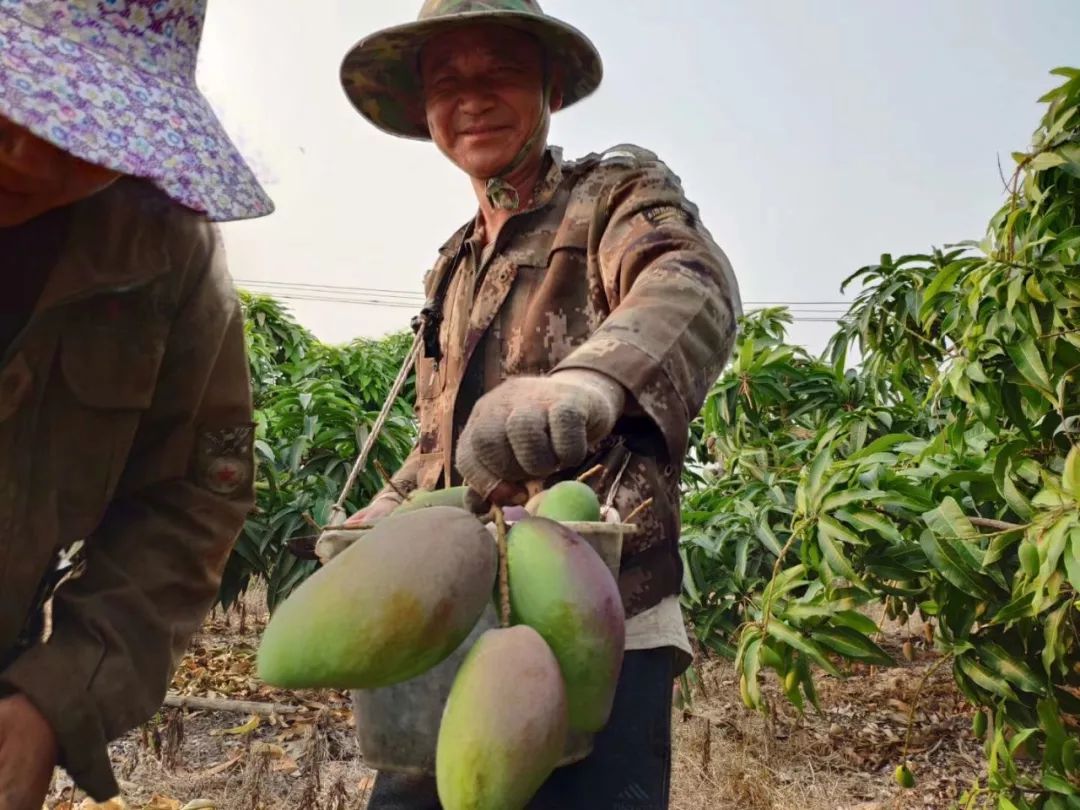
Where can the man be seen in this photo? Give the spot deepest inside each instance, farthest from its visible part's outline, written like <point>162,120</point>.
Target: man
<point>125,409</point>
<point>578,319</point>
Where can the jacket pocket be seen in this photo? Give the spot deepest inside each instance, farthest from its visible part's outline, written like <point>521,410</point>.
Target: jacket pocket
<point>573,234</point>
<point>108,378</point>
<point>107,369</point>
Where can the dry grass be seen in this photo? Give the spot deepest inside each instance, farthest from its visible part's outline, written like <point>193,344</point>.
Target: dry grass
<point>729,758</point>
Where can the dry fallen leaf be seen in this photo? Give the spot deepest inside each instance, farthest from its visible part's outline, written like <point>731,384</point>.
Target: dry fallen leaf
<point>248,727</point>
<point>221,767</point>
<point>159,802</point>
<point>285,764</point>
<point>115,803</point>
<point>268,749</point>
<point>200,804</point>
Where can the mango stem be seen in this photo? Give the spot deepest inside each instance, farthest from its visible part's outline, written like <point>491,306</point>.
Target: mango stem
<point>645,504</point>
<point>585,476</point>
<point>504,568</point>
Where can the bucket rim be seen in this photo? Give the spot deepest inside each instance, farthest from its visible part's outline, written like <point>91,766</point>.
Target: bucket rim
<point>600,527</point>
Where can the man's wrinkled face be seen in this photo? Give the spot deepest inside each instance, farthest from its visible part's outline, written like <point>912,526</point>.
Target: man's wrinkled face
<point>36,177</point>
<point>483,91</point>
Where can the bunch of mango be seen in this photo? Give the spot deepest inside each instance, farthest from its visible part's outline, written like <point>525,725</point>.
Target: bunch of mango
<point>403,597</point>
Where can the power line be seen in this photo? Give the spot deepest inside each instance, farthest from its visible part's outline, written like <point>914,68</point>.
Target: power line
<point>419,296</point>
<point>337,299</point>
<point>344,300</point>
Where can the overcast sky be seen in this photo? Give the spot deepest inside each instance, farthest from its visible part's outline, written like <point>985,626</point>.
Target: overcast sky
<point>813,135</point>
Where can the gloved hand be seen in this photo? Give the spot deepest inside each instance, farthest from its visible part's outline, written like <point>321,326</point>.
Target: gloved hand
<point>530,427</point>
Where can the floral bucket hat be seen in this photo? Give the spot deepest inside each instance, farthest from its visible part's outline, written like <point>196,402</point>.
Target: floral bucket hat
<point>381,72</point>
<point>113,82</point>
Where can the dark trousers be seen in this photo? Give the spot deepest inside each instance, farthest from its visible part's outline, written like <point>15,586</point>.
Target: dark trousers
<point>629,768</point>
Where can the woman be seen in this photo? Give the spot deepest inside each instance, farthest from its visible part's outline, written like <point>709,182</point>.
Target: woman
<point>125,411</point>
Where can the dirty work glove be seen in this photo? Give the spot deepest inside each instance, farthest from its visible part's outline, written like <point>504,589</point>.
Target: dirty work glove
<point>530,427</point>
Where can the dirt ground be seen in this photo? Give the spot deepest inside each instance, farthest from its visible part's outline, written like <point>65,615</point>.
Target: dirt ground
<point>726,757</point>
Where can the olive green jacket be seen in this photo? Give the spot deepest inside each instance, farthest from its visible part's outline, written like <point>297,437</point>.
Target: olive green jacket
<point>609,269</point>
<point>125,422</point>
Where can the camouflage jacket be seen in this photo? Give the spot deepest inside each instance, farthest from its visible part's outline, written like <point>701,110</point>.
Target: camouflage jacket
<point>125,422</point>
<point>610,269</point>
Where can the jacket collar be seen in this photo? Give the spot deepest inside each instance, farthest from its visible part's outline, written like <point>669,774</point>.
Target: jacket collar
<point>542,195</point>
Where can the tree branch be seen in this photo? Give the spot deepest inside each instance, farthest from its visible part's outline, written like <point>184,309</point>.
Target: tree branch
<point>227,705</point>
<point>996,525</point>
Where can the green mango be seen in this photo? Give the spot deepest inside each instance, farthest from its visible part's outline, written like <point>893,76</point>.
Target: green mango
<point>1070,754</point>
<point>392,605</point>
<point>978,724</point>
<point>904,777</point>
<point>1029,558</point>
<point>561,587</point>
<point>460,497</point>
<point>569,501</point>
<point>504,726</point>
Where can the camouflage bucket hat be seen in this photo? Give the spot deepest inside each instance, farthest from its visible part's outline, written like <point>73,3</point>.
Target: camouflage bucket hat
<point>380,73</point>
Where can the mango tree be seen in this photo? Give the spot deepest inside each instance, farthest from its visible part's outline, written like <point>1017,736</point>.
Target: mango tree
<point>940,476</point>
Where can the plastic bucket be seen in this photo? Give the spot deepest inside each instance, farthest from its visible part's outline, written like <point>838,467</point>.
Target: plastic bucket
<point>398,726</point>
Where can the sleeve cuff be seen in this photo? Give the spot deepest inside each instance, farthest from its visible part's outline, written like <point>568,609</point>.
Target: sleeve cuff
<point>49,681</point>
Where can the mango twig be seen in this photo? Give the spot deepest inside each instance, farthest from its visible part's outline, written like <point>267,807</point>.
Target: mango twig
<point>585,476</point>
<point>385,476</point>
<point>504,569</point>
<point>641,507</point>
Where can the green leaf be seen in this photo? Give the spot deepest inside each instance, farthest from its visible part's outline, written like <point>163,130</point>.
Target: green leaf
<point>1052,637</point>
<point>949,520</point>
<point>838,500</point>
<point>742,546</point>
<point>943,279</point>
<point>835,558</point>
<point>975,373</point>
<point>815,476</point>
<point>1070,479</point>
<point>1016,500</point>
<point>852,644</point>
<point>788,579</point>
<point>1011,668</point>
<point>872,521</point>
<point>1072,560</point>
<point>1029,363</point>
<point>1046,160</point>
<point>689,579</point>
<point>1051,781</point>
<point>985,679</point>
<point>1000,544</point>
<point>949,566</point>
<point>1052,546</point>
<point>786,635</point>
<point>1034,290</point>
<point>839,532</point>
<point>768,538</point>
<point>1020,607</point>
<point>856,621</point>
